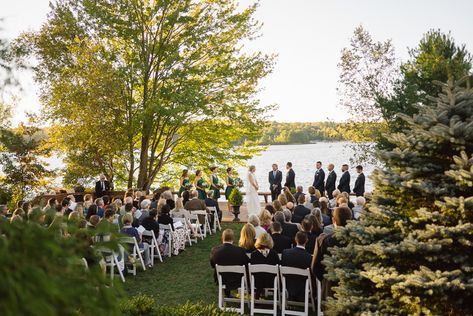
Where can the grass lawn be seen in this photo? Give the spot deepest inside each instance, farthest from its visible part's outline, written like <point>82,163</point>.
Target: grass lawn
<point>182,278</point>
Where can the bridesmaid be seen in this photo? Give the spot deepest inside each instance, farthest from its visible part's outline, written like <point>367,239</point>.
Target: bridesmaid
<point>183,182</point>
<point>198,183</point>
<point>214,182</point>
<point>229,181</point>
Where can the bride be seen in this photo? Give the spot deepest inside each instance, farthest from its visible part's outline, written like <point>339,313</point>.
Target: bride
<point>252,200</point>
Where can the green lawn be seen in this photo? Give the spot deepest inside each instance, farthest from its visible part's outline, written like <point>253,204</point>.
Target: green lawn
<point>182,278</point>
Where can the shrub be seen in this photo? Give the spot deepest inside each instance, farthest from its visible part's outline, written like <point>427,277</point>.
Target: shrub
<point>235,198</point>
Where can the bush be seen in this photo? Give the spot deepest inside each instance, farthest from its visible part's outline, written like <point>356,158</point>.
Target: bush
<point>235,198</point>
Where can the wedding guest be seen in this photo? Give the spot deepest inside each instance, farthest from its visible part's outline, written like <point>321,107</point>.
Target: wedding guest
<point>254,220</point>
<point>93,222</point>
<point>106,201</point>
<point>199,184</point>
<point>195,204</point>
<point>277,206</point>
<point>102,186</point>
<point>214,183</point>
<point>211,202</point>
<point>155,199</point>
<point>326,212</point>
<point>145,205</point>
<point>344,184</point>
<point>131,231</point>
<point>307,202</point>
<point>360,204</point>
<point>283,200</point>
<point>331,179</point>
<point>316,224</point>
<point>247,238</point>
<point>290,177</point>
<point>3,213</point>
<point>128,200</point>
<point>129,209</point>
<point>319,178</point>
<point>66,206</point>
<point>300,211</point>
<point>186,195</point>
<point>168,196</point>
<point>264,254</point>
<point>299,192</point>
<point>275,180</point>
<point>230,182</point>
<point>306,227</point>
<point>180,211</point>
<point>92,211</point>
<point>333,200</point>
<point>280,241</point>
<point>184,182</point>
<point>346,195</point>
<point>312,193</point>
<point>290,206</point>
<point>359,188</point>
<point>164,218</point>
<point>100,207</point>
<point>50,204</point>
<point>137,200</point>
<point>289,196</point>
<point>270,209</point>
<point>288,229</point>
<point>265,219</point>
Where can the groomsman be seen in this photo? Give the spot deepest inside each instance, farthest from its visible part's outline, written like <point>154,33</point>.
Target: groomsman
<point>344,184</point>
<point>319,178</point>
<point>359,188</point>
<point>331,179</point>
<point>275,180</point>
<point>290,177</point>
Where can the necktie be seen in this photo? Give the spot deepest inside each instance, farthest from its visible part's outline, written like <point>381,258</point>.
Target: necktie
<point>103,186</point>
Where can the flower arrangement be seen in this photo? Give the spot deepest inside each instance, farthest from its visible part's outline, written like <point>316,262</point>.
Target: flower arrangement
<point>188,186</point>
<point>204,185</point>
<point>220,186</point>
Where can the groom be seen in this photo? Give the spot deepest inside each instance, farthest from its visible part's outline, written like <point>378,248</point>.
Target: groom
<point>275,179</point>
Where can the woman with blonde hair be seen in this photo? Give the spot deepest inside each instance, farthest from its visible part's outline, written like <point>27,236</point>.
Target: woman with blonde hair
<point>247,238</point>
<point>265,219</point>
<point>264,254</point>
<point>254,220</point>
<point>179,211</point>
<point>277,206</point>
<point>282,199</point>
<point>289,196</point>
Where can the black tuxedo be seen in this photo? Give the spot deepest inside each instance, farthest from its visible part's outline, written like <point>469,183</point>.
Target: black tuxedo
<point>290,230</point>
<point>296,258</point>
<point>101,188</point>
<point>330,184</point>
<point>319,180</point>
<point>290,179</point>
<point>275,184</point>
<point>299,213</point>
<point>229,255</point>
<point>264,280</point>
<point>344,184</point>
<point>359,188</point>
<point>281,242</point>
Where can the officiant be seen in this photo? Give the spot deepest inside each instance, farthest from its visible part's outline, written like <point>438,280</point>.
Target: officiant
<point>275,179</point>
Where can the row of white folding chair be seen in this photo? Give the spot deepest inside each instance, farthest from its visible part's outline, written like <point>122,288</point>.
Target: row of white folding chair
<point>167,227</point>
<point>213,210</point>
<point>111,261</point>
<point>136,251</point>
<point>154,246</point>
<point>206,223</point>
<point>276,271</point>
<point>196,226</point>
<point>185,226</point>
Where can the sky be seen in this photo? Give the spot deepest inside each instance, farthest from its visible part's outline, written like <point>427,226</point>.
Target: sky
<point>306,35</point>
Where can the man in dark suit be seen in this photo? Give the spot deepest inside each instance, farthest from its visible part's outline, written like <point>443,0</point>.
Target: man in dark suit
<point>227,254</point>
<point>290,177</point>
<point>319,178</point>
<point>196,204</point>
<point>359,188</point>
<point>102,186</point>
<point>331,179</point>
<point>280,241</point>
<point>340,217</point>
<point>344,184</point>
<point>275,179</point>
<point>300,211</point>
<point>297,257</point>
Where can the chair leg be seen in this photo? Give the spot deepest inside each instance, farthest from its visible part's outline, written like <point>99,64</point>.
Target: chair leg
<point>141,259</point>
<point>119,270</point>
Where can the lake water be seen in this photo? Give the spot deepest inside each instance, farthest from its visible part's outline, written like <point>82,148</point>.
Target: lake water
<point>303,158</point>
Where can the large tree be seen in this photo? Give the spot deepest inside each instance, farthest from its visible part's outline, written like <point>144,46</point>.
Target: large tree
<point>412,251</point>
<point>136,85</point>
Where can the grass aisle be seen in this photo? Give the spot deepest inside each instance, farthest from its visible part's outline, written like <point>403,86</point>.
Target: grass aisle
<point>182,278</point>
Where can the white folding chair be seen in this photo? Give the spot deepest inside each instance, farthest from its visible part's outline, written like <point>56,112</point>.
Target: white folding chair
<point>285,271</point>
<point>154,245</point>
<point>195,226</point>
<point>185,226</point>
<point>136,252</point>
<point>213,210</point>
<point>221,287</point>
<point>111,261</point>
<point>206,221</point>
<point>319,297</point>
<point>168,227</point>
<point>264,268</point>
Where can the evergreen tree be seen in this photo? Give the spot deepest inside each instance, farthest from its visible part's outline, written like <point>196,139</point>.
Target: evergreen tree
<point>412,251</point>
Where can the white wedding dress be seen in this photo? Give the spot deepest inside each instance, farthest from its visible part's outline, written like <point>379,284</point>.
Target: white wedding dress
<point>252,200</point>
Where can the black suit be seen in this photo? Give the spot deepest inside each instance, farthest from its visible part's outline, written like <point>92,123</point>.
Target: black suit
<point>264,280</point>
<point>290,230</point>
<point>299,213</point>
<point>322,244</point>
<point>344,184</point>
<point>319,181</point>
<point>330,184</point>
<point>229,255</point>
<point>281,242</point>
<point>101,188</point>
<point>275,184</point>
<point>359,188</point>
<point>296,258</point>
<point>290,179</point>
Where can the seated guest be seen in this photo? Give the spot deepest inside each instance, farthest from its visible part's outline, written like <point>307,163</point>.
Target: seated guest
<point>307,203</point>
<point>228,255</point>
<point>350,204</point>
<point>333,201</point>
<point>254,220</point>
<point>185,197</point>
<point>312,194</point>
<point>360,204</point>
<point>93,222</point>
<point>277,206</point>
<point>196,204</point>
<point>264,254</point>
<point>145,205</point>
<point>168,196</point>
<point>100,207</point>
<point>128,200</point>
<point>322,245</point>
<point>180,211</point>
<point>129,209</point>
<point>106,226</point>
<point>155,199</point>
<point>288,222</point>
<point>282,199</point>
<point>280,242</point>
<point>270,209</point>
<point>289,206</point>
<point>138,198</point>
<point>317,228</point>
<point>288,229</point>
<point>265,218</point>
<point>131,231</point>
<point>299,192</point>
<point>306,227</point>
<point>165,218</point>
<point>289,197</point>
<point>300,211</point>
<point>150,223</point>
<point>326,212</point>
<point>210,202</point>
<point>247,238</point>
<point>296,257</point>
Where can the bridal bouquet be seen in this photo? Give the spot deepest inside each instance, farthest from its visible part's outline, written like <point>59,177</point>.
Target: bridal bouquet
<point>220,186</point>
<point>239,183</point>
<point>188,186</point>
<point>204,185</point>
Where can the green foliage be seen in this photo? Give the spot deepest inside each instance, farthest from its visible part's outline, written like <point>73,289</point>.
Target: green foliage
<point>411,253</point>
<point>235,198</point>
<point>42,274</point>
